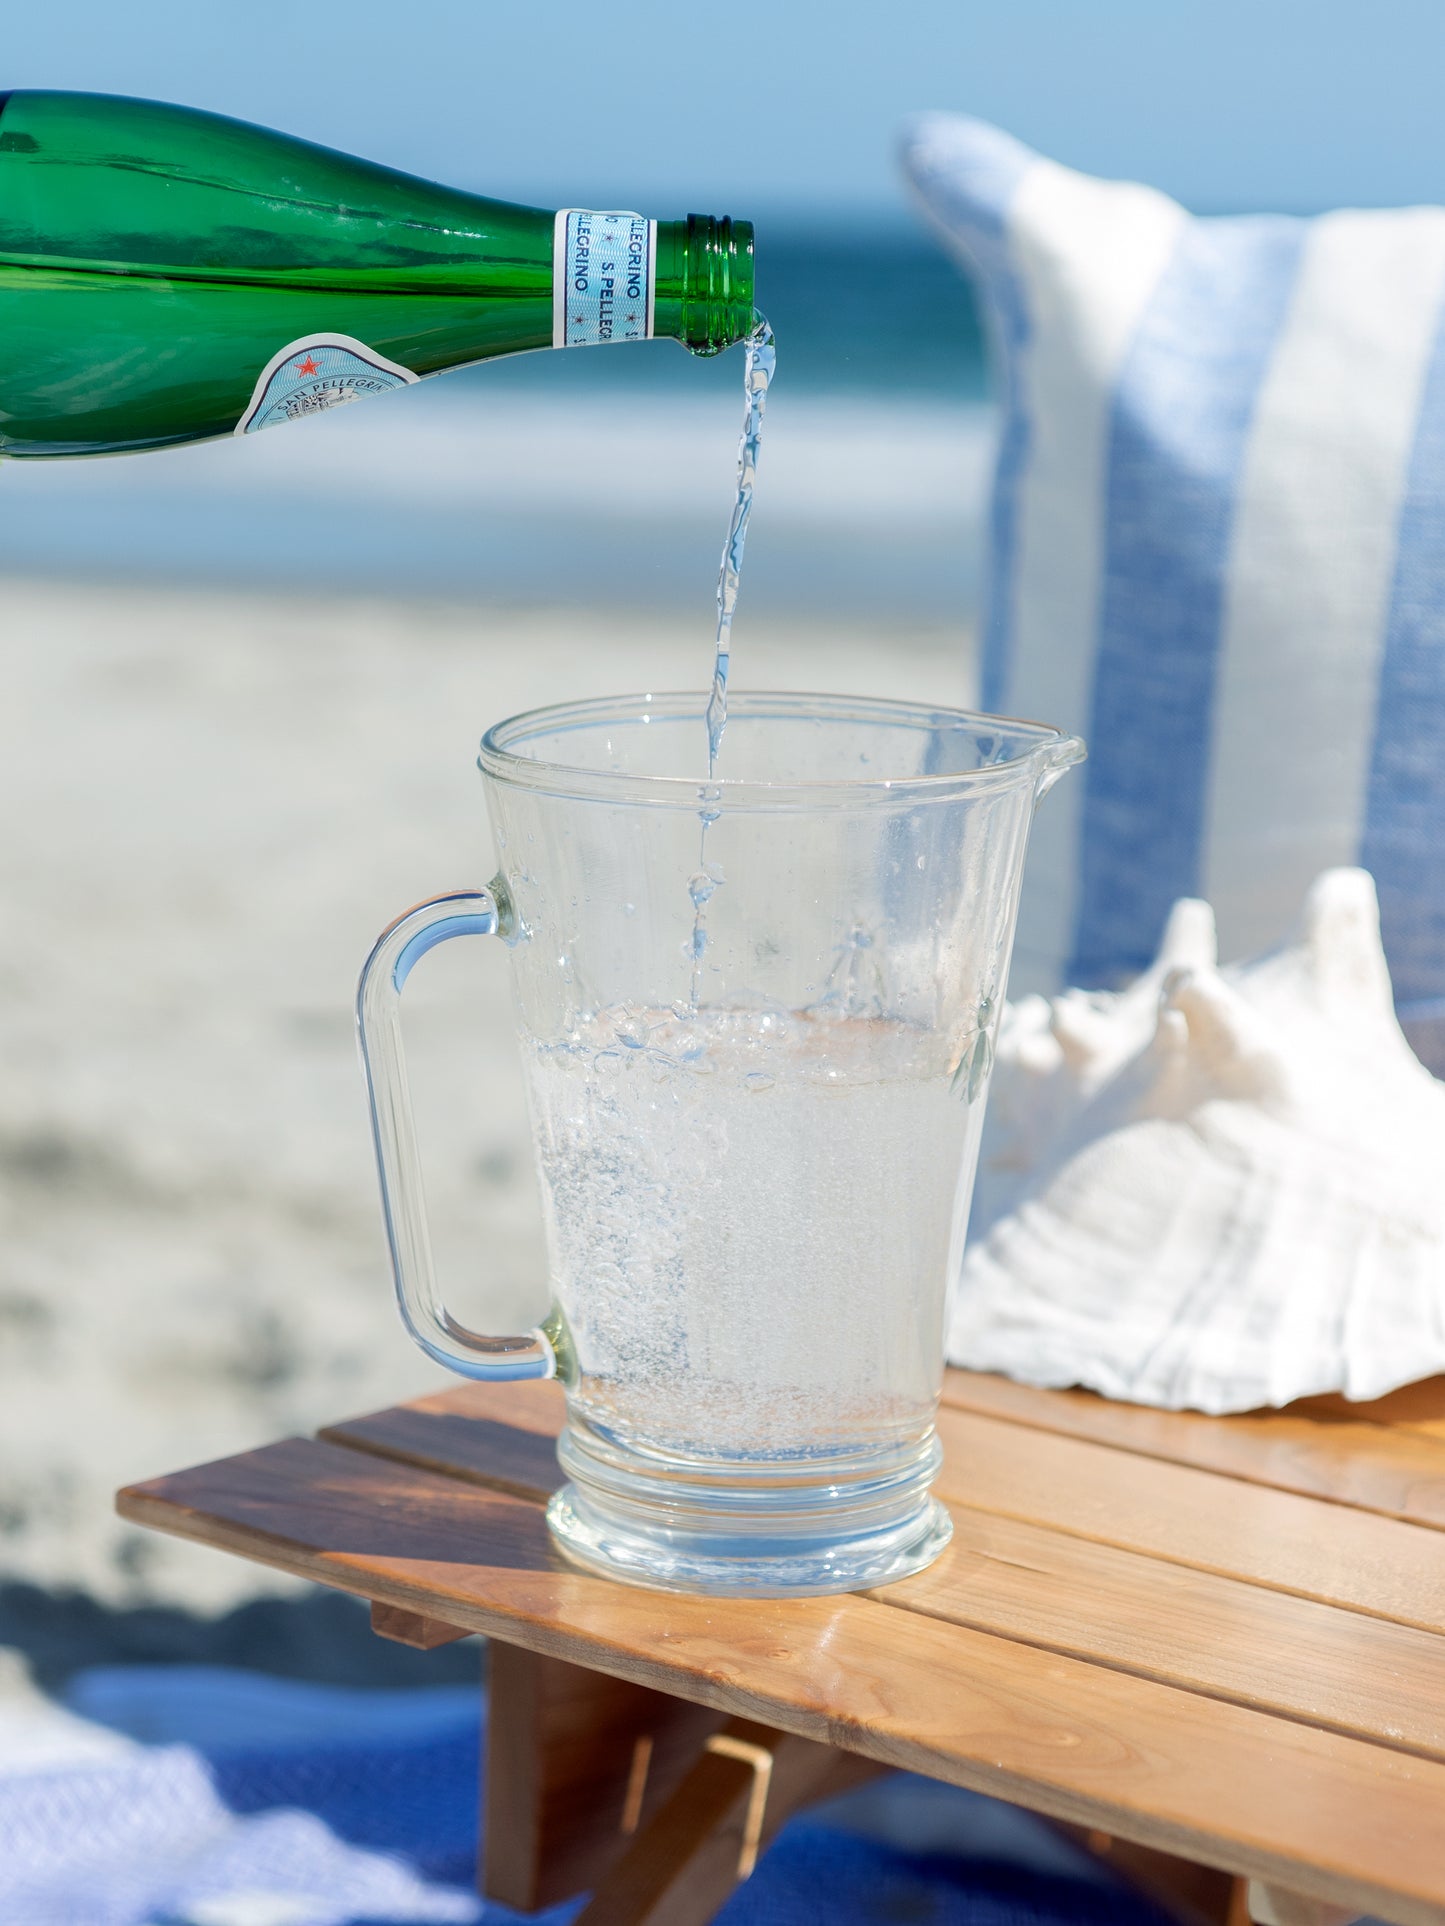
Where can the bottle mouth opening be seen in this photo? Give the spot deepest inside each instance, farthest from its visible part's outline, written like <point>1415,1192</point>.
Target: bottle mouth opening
<point>717,300</point>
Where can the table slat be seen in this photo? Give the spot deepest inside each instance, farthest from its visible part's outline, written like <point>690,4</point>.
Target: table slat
<point>1329,1815</point>
<point>1331,1453</point>
<point>1193,1629</point>
<point>1223,1636</point>
<point>1196,1518</point>
<point>504,1435</point>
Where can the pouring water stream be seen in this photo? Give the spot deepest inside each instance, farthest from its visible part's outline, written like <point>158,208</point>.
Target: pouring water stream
<point>760,359</point>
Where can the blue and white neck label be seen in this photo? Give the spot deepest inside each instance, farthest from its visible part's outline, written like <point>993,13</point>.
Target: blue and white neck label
<point>318,372</point>
<point>604,278</point>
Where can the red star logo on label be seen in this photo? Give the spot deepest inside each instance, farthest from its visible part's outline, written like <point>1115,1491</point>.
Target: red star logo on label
<point>308,366</point>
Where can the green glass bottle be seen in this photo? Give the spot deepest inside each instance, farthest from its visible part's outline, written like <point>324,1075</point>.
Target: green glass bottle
<point>167,275</point>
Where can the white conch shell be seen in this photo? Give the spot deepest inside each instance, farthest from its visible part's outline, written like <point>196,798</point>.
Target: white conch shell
<point>1217,1189</point>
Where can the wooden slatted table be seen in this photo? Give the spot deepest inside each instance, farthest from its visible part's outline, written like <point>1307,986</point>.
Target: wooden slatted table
<point>1221,1640</point>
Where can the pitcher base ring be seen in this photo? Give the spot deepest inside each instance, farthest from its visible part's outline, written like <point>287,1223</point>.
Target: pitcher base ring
<point>677,1561</point>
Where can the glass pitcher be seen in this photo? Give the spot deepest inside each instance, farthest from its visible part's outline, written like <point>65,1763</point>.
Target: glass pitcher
<point>756,1017</point>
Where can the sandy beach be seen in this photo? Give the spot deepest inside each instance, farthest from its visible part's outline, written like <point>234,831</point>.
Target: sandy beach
<point>213,803</point>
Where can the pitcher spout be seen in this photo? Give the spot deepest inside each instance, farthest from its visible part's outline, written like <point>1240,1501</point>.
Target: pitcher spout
<point>1053,759</point>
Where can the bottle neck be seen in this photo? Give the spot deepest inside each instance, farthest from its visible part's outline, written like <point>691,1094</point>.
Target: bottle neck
<point>704,282</point>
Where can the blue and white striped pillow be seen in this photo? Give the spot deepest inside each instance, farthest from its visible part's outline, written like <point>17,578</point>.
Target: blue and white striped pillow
<point>1218,552</point>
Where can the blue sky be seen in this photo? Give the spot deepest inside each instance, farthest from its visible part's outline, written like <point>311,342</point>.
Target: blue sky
<point>1227,103</point>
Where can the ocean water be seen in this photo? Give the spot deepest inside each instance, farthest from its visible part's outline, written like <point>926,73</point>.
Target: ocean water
<point>510,482</point>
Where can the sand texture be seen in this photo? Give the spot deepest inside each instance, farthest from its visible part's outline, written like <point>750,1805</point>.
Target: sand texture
<point>212,803</point>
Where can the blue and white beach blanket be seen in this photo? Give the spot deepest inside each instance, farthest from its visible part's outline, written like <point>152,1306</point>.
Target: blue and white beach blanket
<point>243,1800</point>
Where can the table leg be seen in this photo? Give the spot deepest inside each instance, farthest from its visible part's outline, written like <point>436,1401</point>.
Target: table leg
<point>1277,1906</point>
<point>683,1864</point>
<point>423,1634</point>
<point>1192,1894</point>
<point>1199,1896</point>
<point>576,1763</point>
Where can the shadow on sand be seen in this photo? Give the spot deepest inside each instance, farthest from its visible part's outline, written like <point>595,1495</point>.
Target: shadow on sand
<point>320,1636</point>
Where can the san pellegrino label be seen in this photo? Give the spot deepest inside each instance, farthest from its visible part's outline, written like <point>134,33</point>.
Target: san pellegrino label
<point>604,277</point>
<point>317,372</point>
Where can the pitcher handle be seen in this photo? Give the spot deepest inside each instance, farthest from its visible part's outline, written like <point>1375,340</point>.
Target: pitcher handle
<point>464,912</point>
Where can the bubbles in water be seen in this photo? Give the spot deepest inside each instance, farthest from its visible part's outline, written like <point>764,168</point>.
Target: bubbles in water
<point>702,886</point>
<point>752,1170</point>
<point>636,1029</point>
<point>772,1026</point>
